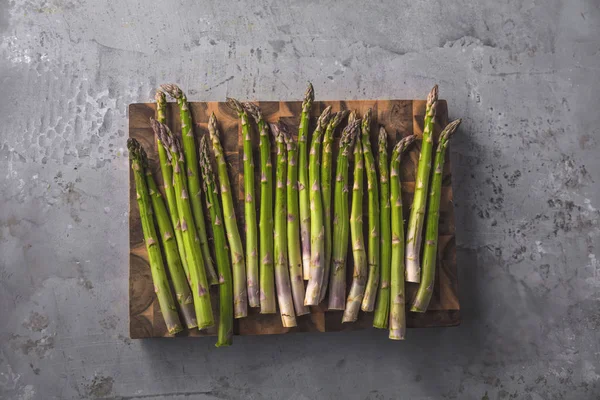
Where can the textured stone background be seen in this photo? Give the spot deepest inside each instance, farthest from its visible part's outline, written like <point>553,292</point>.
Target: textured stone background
<point>524,76</point>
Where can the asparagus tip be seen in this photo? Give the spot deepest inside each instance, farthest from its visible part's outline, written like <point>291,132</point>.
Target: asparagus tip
<point>160,97</point>
<point>235,104</point>
<point>352,117</point>
<point>253,110</point>
<point>310,93</point>
<point>212,124</point>
<point>449,130</point>
<point>433,96</point>
<point>172,90</point>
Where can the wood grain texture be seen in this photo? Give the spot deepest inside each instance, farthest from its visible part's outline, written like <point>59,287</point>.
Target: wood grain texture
<point>399,117</point>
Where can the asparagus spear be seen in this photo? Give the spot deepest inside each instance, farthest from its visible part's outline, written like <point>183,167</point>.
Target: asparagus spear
<point>423,296</point>
<point>317,226</point>
<point>193,178</point>
<point>267,291</point>
<point>249,207</point>
<point>199,285</point>
<point>225,331</point>
<point>359,276</point>
<point>397,309</point>
<point>157,268</point>
<point>183,294</point>
<point>337,290</point>
<point>303,188</point>
<point>326,175</point>
<point>368,302</point>
<point>240,294</point>
<point>282,273</point>
<point>293,227</point>
<point>167,174</point>
<point>382,307</point>
<point>417,212</point>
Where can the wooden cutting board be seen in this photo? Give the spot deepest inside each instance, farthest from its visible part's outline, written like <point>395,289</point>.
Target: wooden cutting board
<point>399,117</point>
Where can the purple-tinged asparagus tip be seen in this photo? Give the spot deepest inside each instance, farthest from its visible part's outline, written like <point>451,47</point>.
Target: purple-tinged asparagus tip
<point>172,90</point>
<point>433,96</point>
<point>235,105</point>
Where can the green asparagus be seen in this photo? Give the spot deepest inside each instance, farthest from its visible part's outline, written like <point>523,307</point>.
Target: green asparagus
<point>317,225</point>
<point>183,294</point>
<point>293,227</point>
<point>368,302</point>
<point>193,178</point>
<point>417,212</point>
<point>200,290</point>
<point>423,296</point>
<point>167,175</point>
<point>303,188</point>
<point>240,295</point>
<point>326,176</point>
<point>267,278</point>
<point>157,268</point>
<point>225,331</point>
<point>252,271</point>
<point>359,276</point>
<point>382,307</point>
<point>397,310</point>
<point>337,286</point>
<point>282,273</point>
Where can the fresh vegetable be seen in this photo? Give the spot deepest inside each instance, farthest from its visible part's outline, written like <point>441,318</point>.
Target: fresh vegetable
<point>359,276</point>
<point>397,292</point>
<point>417,212</point>
<point>303,185</point>
<point>193,178</point>
<point>240,294</point>
<point>193,253</point>
<point>423,296</point>
<point>382,306</point>
<point>252,270</point>
<point>341,217</point>
<point>267,278</point>
<point>326,194</point>
<point>293,226</point>
<point>368,302</point>
<point>157,268</point>
<point>317,225</point>
<point>282,273</point>
<point>225,330</point>
<point>167,175</point>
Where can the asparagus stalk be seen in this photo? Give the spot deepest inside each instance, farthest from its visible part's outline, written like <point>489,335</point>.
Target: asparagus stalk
<point>267,290</point>
<point>326,176</point>
<point>303,188</point>
<point>417,212</point>
<point>293,226</point>
<point>359,276</point>
<point>167,174</point>
<point>368,302</point>
<point>193,178</point>
<point>423,296</point>
<point>382,307</point>
<point>157,268</point>
<point>183,294</point>
<point>225,331</point>
<point>317,226</point>
<point>240,294</point>
<point>397,309</point>
<point>337,289</point>
<point>252,273</point>
<point>193,253</point>
<point>282,273</point>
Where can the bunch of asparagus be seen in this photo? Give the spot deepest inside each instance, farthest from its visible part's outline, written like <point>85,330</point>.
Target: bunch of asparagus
<point>304,235</point>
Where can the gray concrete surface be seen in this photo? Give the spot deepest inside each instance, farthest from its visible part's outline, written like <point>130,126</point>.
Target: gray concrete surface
<point>524,76</point>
